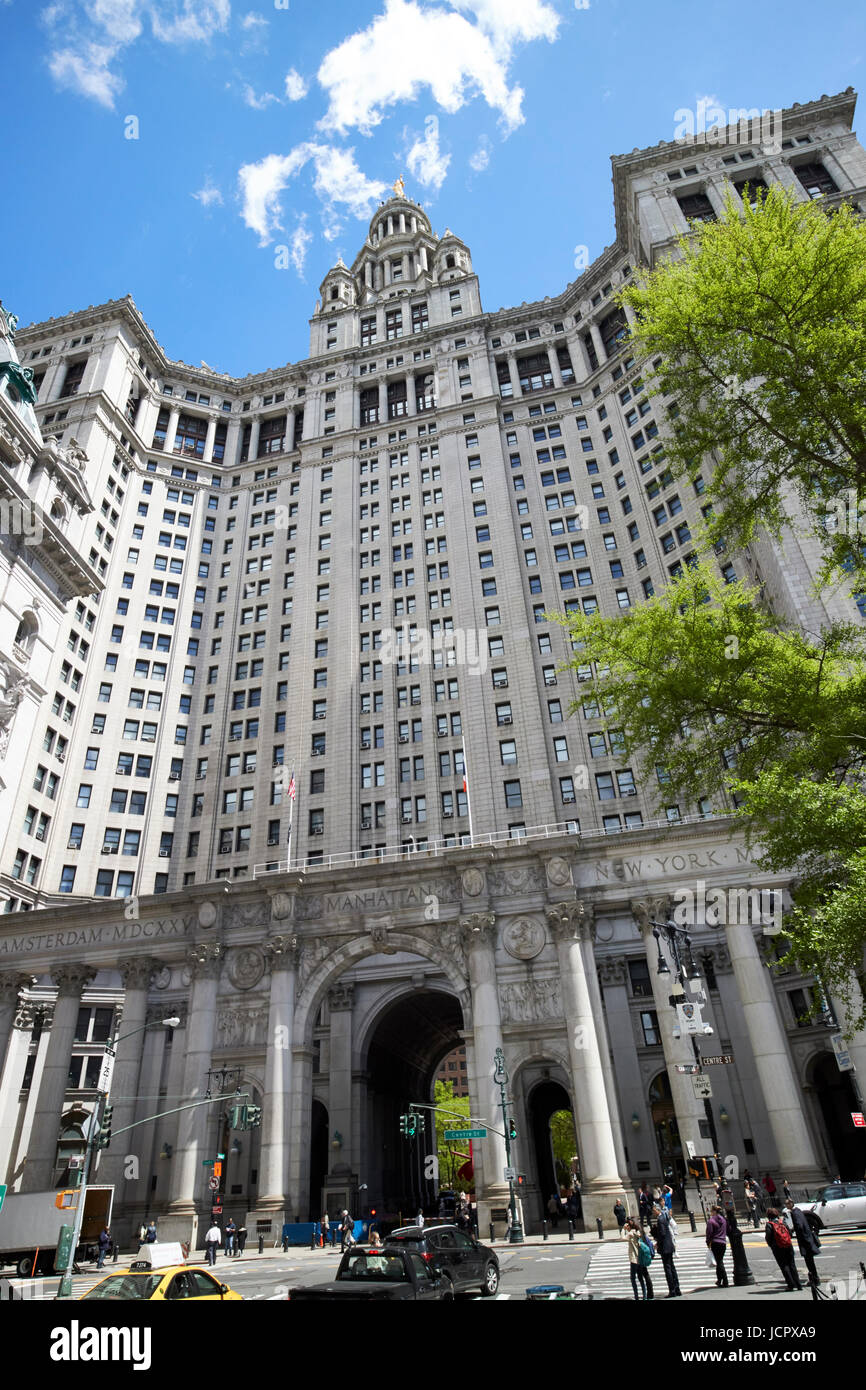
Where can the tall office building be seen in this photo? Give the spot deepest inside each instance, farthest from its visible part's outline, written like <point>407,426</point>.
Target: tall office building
<point>307,717</point>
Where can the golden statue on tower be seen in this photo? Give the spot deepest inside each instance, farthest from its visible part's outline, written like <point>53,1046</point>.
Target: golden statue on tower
<point>399,187</point>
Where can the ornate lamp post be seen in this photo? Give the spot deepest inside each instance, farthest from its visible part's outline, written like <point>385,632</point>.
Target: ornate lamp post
<point>500,1077</point>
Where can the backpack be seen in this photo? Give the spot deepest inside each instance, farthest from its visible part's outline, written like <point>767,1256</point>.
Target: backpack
<point>645,1252</point>
<point>783,1235</point>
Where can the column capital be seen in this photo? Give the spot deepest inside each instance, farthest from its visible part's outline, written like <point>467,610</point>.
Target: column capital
<point>718,956</point>
<point>281,952</point>
<point>136,971</point>
<point>568,921</point>
<point>11,984</point>
<point>612,972</point>
<point>205,960</point>
<point>479,927</point>
<point>341,996</point>
<point>30,1013</point>
<point>71,978</point>
<point>158,1012</point>
<point>645,910</point>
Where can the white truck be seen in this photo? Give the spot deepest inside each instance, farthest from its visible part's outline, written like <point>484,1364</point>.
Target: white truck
<point>30,1225</point>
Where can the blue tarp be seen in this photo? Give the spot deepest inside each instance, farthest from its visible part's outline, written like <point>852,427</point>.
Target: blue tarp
<point>301,1232</point>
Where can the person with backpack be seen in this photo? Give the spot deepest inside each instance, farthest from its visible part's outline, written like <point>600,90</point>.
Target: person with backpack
<point>640,1257</point>
<point>778,1237</point>
<point>806,1225</point>
<point>716,1236</point>
<point>665,1232</point>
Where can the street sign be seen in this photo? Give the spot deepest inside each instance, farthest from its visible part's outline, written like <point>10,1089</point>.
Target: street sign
<point>208,1162</point>
<point>2,1194</point>
<point>689,1069</point>
<point>510,1175</point>
<point>466,1134</point>
<point>725,1059</point>
<point>702,1087</point>
<point>843,1056</point>
<point>106,1072</point>
<point>859,1119</point>
<point>213,1184</point>
<point>217,1170</point>
<point>690,1148</point>
<point>216,1211</point>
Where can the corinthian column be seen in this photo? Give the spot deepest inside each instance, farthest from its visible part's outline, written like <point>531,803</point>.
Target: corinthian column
<point>479,936</point>
<point>180,1221</point>
<point>601,1181</point>
<point>135,973</point>
<point>42,1147</point>
<point>282,954</point>
<point>10,988</point>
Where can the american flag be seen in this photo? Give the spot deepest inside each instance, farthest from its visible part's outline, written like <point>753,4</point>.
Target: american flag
<point>292,787</point>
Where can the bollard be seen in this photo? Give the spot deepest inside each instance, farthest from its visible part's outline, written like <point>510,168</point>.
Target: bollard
<point>492,1232</point>
<point>313,1239</point>
<point>599,1228</point>
<point>261,1245</point>
<point>544,1229</point>
<point>570,1230</point>
<point>115,1253</point>
<point>692,1221</point>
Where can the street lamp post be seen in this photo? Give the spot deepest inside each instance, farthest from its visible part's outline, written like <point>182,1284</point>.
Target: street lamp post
<point>500,1077</point>
<point>65,1287</point>
<point>686,968</point>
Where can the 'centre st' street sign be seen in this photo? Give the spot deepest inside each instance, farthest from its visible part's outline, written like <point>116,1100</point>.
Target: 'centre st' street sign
<point>466,1134</point>
<point>725,1059</point>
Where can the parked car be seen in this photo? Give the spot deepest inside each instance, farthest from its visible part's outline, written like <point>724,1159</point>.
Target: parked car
<point>465,1263</point>
<point>839,1204</point>
<point>396,1275</point>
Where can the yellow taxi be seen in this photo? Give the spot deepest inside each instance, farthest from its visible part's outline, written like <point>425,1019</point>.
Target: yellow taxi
<point>160,1275</point>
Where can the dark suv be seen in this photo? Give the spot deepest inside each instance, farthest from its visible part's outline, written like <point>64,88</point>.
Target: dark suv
<point>462,1259</point>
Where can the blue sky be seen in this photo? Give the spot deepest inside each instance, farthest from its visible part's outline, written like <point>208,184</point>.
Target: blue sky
<point>214,157</point>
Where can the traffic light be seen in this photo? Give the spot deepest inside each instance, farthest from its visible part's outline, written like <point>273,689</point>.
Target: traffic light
<point>105,1128</point>
<point>512,1130</point>
<point>404,1125</point>
<point>254,1116</point>
<point>412,1125</point>
<point>238,1119</point>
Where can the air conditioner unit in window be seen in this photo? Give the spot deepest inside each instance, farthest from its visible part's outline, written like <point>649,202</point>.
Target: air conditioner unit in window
<point>448,815</point>
<point>317,753</point>
<point>568,798</point>
<point>174,777</point>
<point>61,757</point>
<point>73,844</point>
<point>416,700</point>
<point>319,716</point>
<point>317,830</point>
<point>367,744</point>
<point>273,839</point>
<point>366,825</point>
<point>96,729</point>
<point>164,853</point>
<point>550,680</point>
<point>200,776</point>
<point>500,684</point>
<point>235,738</point>
<point>124,772</point>
<point>148,738</point>
<point>441,733</point>
<point>404,738</point>
<point>506,719</point>
<point>109,849</point>
<point>630,791</point>
<point>225,849</point>
<point>407,820</point>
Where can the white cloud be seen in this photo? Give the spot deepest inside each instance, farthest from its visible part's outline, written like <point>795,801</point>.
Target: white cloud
<point>253,21</point>
<point>479,161</point>
<point>209,195</point>
<point>298,247</point>
<point>258,103</point>
<point>89,37</point>
<point>409,47</point>
<point>86,71</point>
<point>296,87</point>
<point>425,160</point>
<point>337,181</point>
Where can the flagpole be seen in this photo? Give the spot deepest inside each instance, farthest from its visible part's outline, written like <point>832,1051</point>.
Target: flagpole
<point>292,792</point>
<point>466,789</point>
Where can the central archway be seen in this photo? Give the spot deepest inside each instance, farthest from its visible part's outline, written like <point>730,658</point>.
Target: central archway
<point>404,1048</point>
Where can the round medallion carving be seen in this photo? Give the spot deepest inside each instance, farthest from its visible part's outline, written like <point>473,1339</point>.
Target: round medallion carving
<point>524,938</point>
<point>246,967</point>
<point>162,978</point>
<point>207,915</point>
<point>281,906</point>
<point>558,872</point>
<point>473,882</point>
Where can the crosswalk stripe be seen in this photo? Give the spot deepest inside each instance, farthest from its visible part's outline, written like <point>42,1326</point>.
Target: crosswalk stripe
<point>609,1271</point>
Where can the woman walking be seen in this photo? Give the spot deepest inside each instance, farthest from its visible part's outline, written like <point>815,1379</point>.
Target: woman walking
<point>716,1238</point>
<point>638,1269</point>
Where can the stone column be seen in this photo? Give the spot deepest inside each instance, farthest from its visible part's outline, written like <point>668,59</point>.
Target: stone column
<point>171,430</point>
<point>598,1013</point>
<point>601,1181</point>
<point>479,937</point>
<point>598,343</point>
<point>383,401</point>
<point>146,1103</point>
<point>411,406</point>
<point>135,973</point>
<point>299,1134</point>
<point>180,1220</point>
<point>11,985</point>
<point>783,1099</point>
<point>209,441</point>
<point>555,369</point>
<point>255,429</point>
<point>11,1080</point>
<point>340,1001</point>
<point>690,1111</point>
<point>282,953</point>
<point>233,443</point>
<point>42,1147</point>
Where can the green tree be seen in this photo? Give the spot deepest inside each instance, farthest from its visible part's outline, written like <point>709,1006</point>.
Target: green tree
<point>709,693</point>
<point>454,1114</point>
<point>757,335</point>
<point>564,1144</point>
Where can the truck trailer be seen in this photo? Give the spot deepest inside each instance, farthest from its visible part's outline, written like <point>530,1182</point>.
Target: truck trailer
<point>30,1225</point>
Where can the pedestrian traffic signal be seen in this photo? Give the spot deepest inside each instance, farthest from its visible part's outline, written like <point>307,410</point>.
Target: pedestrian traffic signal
<point>254,1116</point>
<point>512,1130</point>
<point>105,1128</point>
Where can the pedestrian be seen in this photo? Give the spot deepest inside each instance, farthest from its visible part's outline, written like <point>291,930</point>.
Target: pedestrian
<point>553,1210</point>
<point>750,1192</point>
<point>786,1189</point>
<point>241,1238</point>
<point>347,1227</point>
<point>150,1234</point>
<point>778,1237</point>
<point>104,1246</point>
<point>231,1231</point>
<point>212,1239</point>
<point>807,1238</point>
<point>666,1243</point>
<point>375,1240</point>
<point>419,1219</point>
<point>668,1195</point>
<point>716,1238</point>
<point>645,1203</point>
<point>619,1212</point>
<point>639,1259</point>
<point>142,1233</point>
<point>326,1227</point>
<point>769,1186</point>
<point>287,1231</point>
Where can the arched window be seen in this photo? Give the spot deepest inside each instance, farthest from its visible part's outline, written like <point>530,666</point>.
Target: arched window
<point>25,637</point>
<point>450,262</point>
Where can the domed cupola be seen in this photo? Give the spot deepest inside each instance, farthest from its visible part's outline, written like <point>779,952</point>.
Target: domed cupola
<point>337,290</point>
<point>452,259</point>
